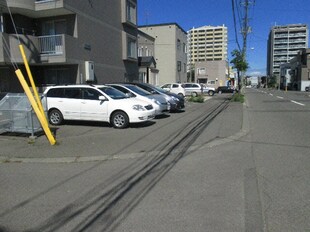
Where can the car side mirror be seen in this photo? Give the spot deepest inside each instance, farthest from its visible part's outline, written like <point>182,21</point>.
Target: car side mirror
<point>129,95</point>
<point>102,98</point>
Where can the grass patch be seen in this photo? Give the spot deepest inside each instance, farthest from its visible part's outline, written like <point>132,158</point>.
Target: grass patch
<point>238,97</point>
<point>199,99</point>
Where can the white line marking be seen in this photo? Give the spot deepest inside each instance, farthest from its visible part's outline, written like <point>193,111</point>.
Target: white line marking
<point>271,94</point>
<point>280,97</point>
<point>298,103</point>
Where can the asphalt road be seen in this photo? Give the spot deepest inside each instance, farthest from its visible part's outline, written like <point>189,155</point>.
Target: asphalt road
<point>218,166</point>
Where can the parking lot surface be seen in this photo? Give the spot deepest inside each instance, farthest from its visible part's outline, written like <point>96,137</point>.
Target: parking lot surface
<point>89,141</point>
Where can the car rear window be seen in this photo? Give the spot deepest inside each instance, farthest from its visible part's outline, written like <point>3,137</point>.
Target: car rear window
<point>64,93</point>
<point>57,92</point>
<point>72,93</point>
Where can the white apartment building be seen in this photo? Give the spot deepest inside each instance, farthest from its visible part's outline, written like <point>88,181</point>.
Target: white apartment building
<point>207,43</point>
<point>284,43</point>
<point>170,51</point>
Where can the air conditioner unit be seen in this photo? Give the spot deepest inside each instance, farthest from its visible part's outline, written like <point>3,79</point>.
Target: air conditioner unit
<point>89,71</point>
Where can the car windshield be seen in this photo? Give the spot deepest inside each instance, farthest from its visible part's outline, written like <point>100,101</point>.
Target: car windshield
<point>113,93</point>
<point>160,89</point>
<point>138,90</point>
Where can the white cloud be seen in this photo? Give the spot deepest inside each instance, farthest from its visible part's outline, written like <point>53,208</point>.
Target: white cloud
<point>256,72</point>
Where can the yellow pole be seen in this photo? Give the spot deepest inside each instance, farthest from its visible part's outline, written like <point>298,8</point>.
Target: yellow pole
<point>40,115</point>
<point>22,51</point>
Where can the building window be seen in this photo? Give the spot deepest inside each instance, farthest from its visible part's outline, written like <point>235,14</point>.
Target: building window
<point>212,82</point>
<point>131,48</point>
<point>131,12</point>
<point>184,48</point>
<point>179,66</point>
<point>140,51</point>
<point>178,44</point>
<point>201,71</point>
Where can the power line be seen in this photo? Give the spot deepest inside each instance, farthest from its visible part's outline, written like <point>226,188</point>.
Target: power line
<point>235,24</point>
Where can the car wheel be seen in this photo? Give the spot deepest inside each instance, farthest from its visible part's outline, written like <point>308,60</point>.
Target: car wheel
<point>119,120</point>
<point>55,117</point>
<point>194,94</point>
<point>211,93</point>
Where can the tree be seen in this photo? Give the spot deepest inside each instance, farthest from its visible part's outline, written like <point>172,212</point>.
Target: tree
<point>239,63</point>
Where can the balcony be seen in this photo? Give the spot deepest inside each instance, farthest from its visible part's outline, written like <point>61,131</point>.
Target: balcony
<point>41,49</point>
<point>52,45</point>
<point>38,8</point>
<point>10,48</point>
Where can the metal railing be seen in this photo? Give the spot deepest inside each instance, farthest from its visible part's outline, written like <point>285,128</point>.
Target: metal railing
<point>36,1</point>
<point>51,44</point>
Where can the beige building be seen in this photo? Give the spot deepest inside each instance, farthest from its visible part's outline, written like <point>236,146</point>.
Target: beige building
<point>69,41</point>
<point>207,43</point>
<point>212,73</point>
<point>170,51</point>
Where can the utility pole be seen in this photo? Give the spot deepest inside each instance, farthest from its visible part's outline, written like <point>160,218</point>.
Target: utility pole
<point>246,29</point>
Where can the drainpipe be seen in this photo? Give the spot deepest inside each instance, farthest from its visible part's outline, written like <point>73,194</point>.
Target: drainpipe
<point>1,21</point>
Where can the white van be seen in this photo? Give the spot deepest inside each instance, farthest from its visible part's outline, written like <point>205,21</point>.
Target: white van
<point>94,103</point>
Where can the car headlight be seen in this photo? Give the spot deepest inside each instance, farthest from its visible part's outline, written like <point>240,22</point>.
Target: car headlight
<point>138,107</point>
<point>157,102</point>
<point>175,98</point>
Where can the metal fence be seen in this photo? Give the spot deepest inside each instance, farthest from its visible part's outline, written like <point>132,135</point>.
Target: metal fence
<point>16,115</point>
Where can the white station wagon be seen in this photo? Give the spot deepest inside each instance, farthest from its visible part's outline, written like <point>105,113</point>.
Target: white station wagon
<point>94,103</point>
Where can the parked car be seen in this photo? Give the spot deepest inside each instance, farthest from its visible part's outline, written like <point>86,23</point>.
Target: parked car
<point>176,88</point>
<point>159,102</point>
<point>176,102</point>
<point>226,89</point>
<point>194,89</point>
<point>208,89</point>
<point>94,103</point>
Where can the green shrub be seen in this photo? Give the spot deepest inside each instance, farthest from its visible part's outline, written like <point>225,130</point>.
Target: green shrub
<point>238,97</point>
<point>198,98</point>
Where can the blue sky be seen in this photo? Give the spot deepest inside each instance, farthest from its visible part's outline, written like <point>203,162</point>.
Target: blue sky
<point>196,13</point>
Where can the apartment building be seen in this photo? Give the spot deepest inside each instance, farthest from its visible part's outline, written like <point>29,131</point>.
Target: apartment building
<point>284,43</point>
<point>170,51</point>
<point>68,41</point>
<point>207,43</point>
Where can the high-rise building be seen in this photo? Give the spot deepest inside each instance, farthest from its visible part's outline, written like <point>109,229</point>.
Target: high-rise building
<point>207,43</point>
<point>284,43</point>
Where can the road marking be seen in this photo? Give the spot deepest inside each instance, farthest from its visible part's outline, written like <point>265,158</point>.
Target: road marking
<point>298,103</point>
<point>271,94</point>
<point>280,97</point>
